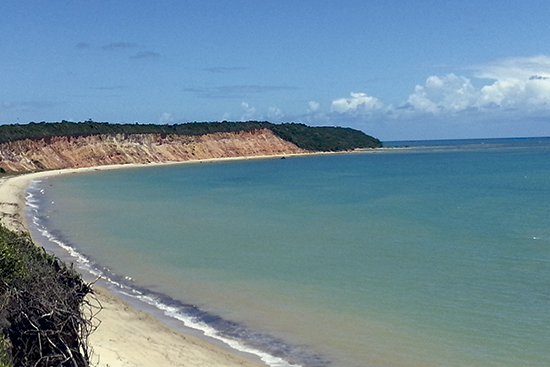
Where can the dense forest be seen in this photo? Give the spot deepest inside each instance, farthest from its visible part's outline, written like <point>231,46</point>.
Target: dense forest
<point>306,137</point>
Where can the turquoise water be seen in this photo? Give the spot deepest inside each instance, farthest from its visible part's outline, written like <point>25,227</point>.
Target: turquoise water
<point>430,256</point>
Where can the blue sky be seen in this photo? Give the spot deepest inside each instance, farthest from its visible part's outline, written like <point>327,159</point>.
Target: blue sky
<point>397,70</point>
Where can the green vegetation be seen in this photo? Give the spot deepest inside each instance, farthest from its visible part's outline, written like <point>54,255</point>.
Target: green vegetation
<point>42,322</point>
<point>327,139</point>
<point>4,354</point>
<point>310,138</point>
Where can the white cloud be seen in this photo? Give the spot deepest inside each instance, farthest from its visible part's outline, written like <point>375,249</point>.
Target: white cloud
<point>358,103</point>
<point>166,118</point>
<point>519,83</point>
<point>313,106</point>
<point>275,113</point>
<point>509,97</point>
<point>446,93</point>
<point>249,111</point>
<point>519,68</point>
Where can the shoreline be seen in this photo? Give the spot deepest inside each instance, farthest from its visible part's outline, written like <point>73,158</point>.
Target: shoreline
<point>130,336</point>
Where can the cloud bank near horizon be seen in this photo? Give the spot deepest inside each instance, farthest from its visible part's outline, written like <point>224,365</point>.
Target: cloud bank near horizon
<point>506,89</point>
<point>521,84</point>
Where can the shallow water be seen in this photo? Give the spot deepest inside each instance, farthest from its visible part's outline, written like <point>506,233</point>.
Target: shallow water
<point>420,257</point>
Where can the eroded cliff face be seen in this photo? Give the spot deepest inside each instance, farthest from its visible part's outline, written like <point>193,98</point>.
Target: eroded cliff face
<point>97,150</point>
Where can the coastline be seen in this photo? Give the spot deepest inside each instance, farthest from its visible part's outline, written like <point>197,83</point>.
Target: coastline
<point>127,336</point>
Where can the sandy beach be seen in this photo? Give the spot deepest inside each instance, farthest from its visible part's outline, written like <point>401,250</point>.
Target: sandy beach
<point>125,336</point>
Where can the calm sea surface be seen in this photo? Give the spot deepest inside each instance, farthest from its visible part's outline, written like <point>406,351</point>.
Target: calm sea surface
<point>435,255</point>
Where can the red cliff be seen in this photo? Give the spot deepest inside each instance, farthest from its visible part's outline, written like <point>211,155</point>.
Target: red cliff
<point>97,150</point>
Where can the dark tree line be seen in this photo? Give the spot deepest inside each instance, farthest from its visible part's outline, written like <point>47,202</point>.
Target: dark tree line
<point>306,137</point>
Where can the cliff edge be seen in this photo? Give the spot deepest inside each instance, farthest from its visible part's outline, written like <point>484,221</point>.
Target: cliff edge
<point>58,152</point>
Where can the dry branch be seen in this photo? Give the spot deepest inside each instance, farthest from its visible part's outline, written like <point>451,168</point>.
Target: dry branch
<point>44,312</point>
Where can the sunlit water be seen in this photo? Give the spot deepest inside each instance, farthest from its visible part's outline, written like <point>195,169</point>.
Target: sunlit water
<point>428,256</point>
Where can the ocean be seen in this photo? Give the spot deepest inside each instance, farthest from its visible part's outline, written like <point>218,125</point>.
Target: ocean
<point>437,254</point>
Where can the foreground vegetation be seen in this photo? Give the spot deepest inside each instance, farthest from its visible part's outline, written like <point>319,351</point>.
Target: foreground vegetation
<point>42,322</point>
<point>306,137</point>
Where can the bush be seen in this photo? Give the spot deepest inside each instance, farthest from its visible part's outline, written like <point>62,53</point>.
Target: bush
<point>42,322</point>
<point>5,360</point>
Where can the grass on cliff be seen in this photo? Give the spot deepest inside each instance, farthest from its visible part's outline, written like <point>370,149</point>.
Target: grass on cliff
<point>306,137</point>
<point>42,315</point>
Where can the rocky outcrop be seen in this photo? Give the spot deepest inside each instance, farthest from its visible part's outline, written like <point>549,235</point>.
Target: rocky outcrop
<point>97,150</point>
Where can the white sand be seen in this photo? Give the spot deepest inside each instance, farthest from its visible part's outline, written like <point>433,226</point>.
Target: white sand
<point>126,336</point>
